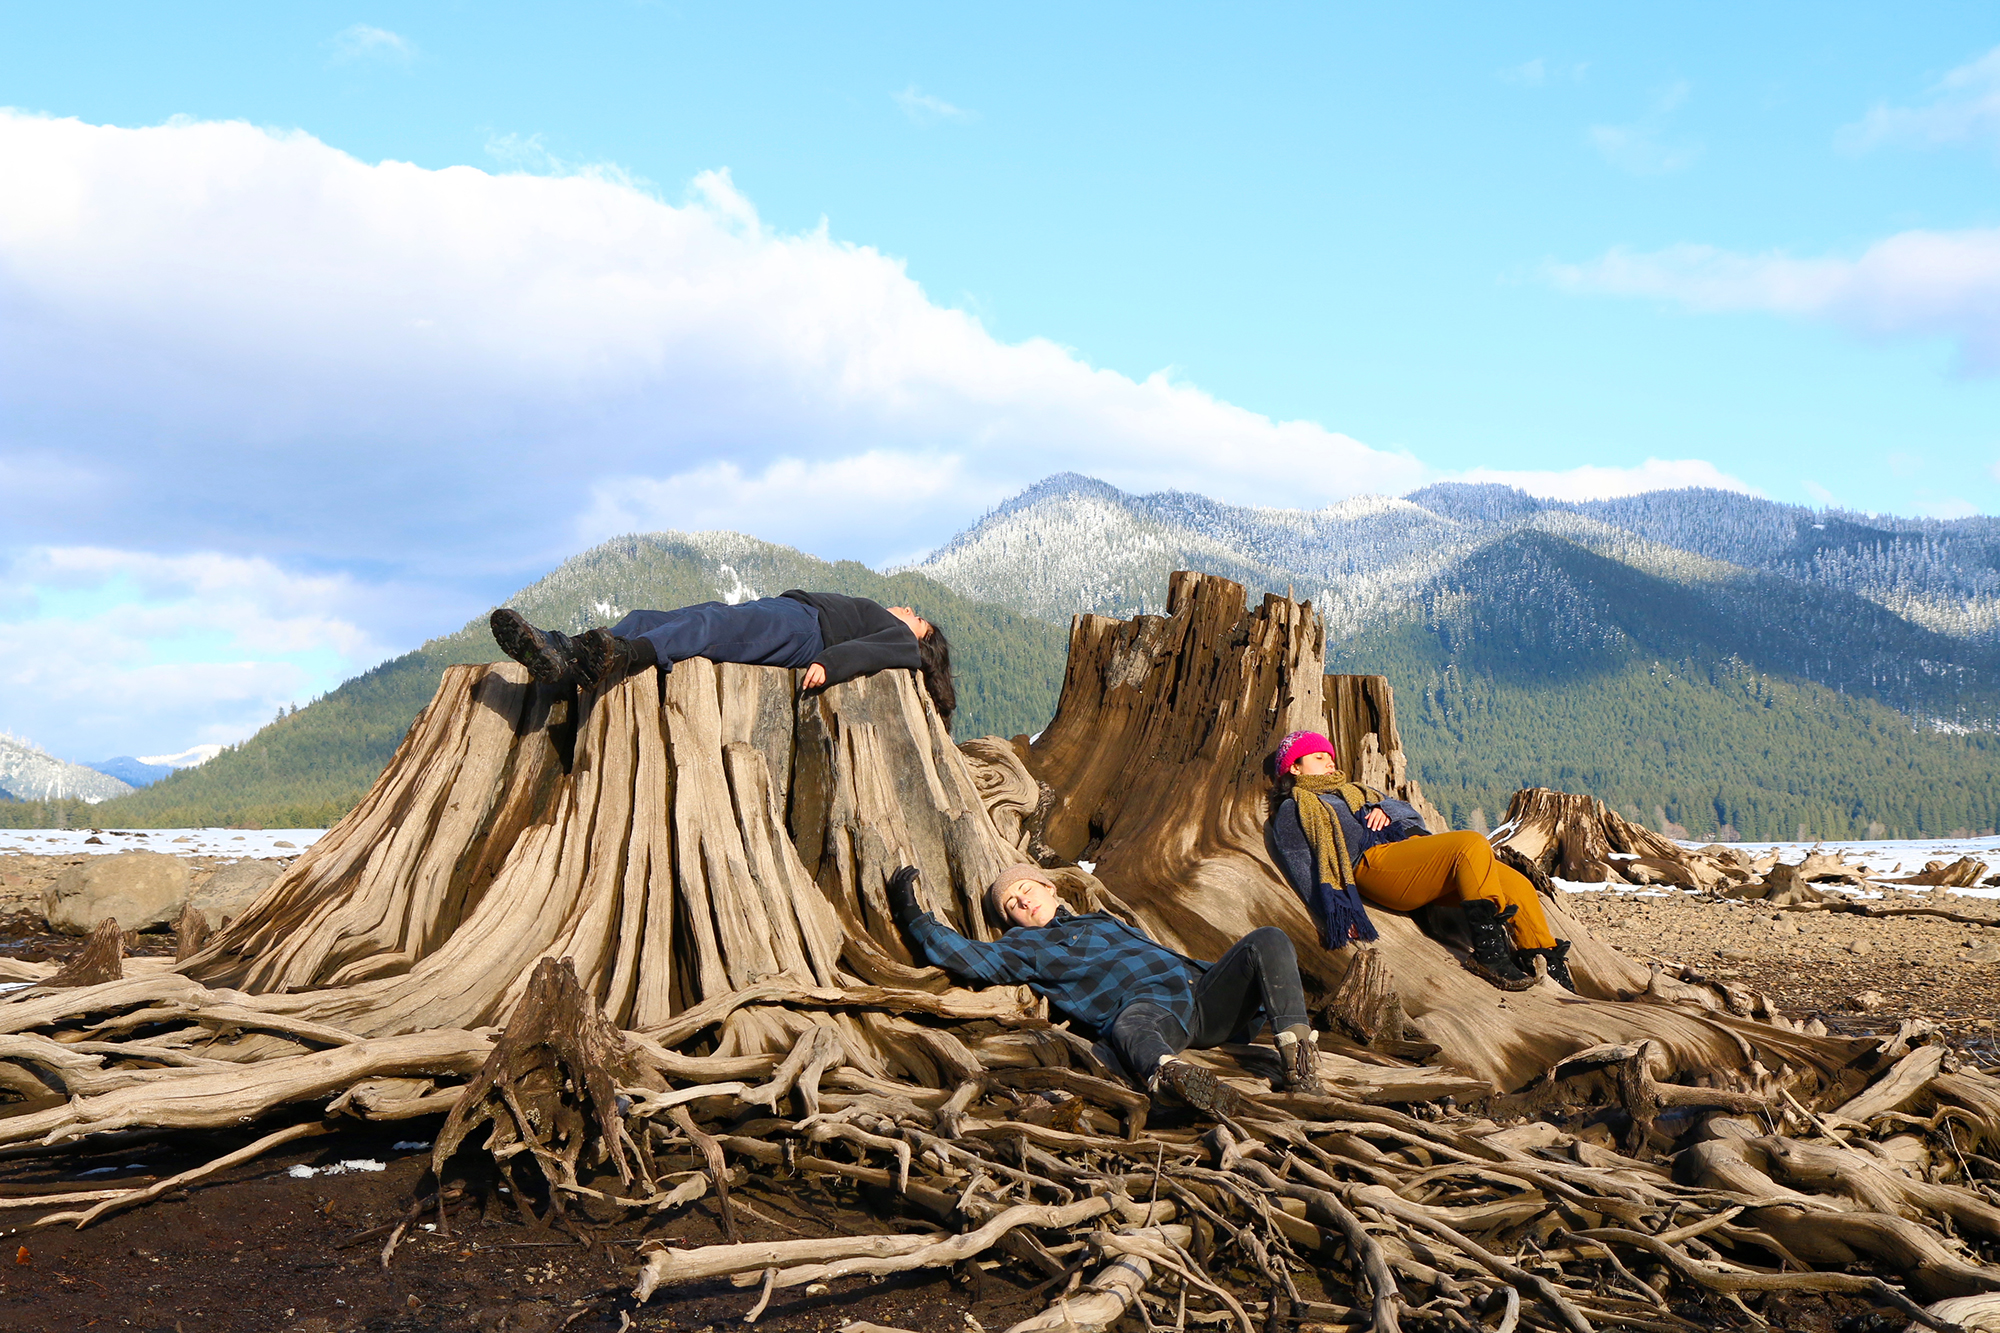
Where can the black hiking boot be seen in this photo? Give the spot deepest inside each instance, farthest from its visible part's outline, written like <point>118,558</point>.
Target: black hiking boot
<point>1492,949</point>
<point>1196,1087</point>
<point>550,657</point>
<point>602,659</point>
<point>1300,1059</point>
<point>1557,959</point>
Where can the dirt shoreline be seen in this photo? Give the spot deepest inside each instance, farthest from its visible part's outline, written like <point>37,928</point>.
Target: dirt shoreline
<point>260,1250</point>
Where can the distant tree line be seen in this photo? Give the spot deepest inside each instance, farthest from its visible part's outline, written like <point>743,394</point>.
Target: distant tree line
<point>1713,747</point>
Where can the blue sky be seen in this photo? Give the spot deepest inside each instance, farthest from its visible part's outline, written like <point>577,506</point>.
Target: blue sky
<point>277,406</point>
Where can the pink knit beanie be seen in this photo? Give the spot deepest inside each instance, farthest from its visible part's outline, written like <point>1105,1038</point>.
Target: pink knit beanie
<point>1300,744</point>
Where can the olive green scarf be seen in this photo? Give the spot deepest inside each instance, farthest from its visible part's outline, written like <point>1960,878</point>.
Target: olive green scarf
<point>1323,831</point>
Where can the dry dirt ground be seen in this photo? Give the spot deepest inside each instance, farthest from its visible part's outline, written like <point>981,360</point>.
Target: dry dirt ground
<point>261,1250</point>
<point>1813,963</point>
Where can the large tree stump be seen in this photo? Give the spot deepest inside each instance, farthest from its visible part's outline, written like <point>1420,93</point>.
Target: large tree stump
<point>1158,758</point>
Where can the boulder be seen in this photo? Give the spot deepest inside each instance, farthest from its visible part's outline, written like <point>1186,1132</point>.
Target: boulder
<point>142,890</point>
<point>233,888</point>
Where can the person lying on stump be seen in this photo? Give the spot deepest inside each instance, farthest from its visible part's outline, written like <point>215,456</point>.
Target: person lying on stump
<point>1147,1001</point>
<point>828,635</point>
<point>1339,843</point>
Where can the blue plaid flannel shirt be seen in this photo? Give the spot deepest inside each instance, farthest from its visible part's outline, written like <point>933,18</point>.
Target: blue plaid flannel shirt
<point>1089,967</point>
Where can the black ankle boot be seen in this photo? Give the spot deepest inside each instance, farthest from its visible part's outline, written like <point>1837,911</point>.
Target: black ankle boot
<point>550,657</point>
<point>1196,1087</point>
<point>602,659</point>
<point>1492,949</point>
<point>1557,959</point>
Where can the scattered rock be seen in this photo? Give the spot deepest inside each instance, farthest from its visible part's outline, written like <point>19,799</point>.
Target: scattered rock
<point>144,890</point>
<point>233,888</point>
<point>1861,947</point>
<point>94,838</point>
<point>1985,953</point>
<point>284,844</point>
<point>1866,1002</point>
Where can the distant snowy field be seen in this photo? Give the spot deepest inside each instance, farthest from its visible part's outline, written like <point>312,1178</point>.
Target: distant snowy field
<point>1877,858</point>
<point>1882,858</point>
<point>256,843</point>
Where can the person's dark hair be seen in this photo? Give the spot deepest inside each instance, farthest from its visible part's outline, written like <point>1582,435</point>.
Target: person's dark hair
<point>934,650</point>
<point>1281,783</point>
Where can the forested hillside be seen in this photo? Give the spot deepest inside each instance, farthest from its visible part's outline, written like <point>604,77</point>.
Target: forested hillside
<point>1704,661</point>
<point>1701,659</point>
<point>308,768</point>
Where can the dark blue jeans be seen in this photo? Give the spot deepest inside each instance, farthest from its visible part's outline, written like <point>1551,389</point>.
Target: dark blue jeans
<point>771,631</point>
<point>1258,978</point>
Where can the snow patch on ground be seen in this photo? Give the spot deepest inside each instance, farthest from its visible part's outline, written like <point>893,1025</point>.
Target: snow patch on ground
<point>1883,857</point>
<point>304,1172</point>
<point>256,843</point>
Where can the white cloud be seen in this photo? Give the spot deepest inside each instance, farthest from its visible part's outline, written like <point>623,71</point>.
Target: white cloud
<point>1591,482</point>
<point>118,652</point>
<point>904,497</point>
<point>524,152</point>
<point>1915,284</point>
<point>1994,471</point>
<point>1964,105</point>
<point>1821,496</point>
<point>436,384</point>
<point>1642,148</point>
<point>362,42</point>
<point>1950,507</point>
<point>298,353</point>
<point>923,109</point>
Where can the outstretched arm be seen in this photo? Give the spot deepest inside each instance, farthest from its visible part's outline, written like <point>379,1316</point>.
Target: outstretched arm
<point>995,964</point>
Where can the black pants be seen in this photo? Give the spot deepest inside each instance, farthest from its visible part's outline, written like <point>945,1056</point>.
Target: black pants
<point>1257,978</point>
<point>771,631</point>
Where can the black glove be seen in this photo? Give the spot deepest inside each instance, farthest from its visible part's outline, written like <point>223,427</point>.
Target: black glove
<point>902,893</point>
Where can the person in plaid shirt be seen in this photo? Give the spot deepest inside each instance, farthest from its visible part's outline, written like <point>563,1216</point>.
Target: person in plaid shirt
<point>1149,1002</point>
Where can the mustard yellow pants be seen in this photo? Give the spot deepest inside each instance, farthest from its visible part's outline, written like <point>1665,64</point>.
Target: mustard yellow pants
<point>1403,876</point>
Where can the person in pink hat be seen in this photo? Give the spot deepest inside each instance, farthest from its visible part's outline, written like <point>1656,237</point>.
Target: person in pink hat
<point>1340,843</point>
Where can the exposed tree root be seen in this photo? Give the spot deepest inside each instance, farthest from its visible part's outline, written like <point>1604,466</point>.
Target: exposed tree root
<point>635,949</point>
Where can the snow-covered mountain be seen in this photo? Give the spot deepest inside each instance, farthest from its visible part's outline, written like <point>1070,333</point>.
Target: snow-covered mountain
<point>1071,543</point>
<point>125,768</point>
<point>30,773</point>
<point>1905,610</point>
<point>188,758</point>
<point>145,771</point>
